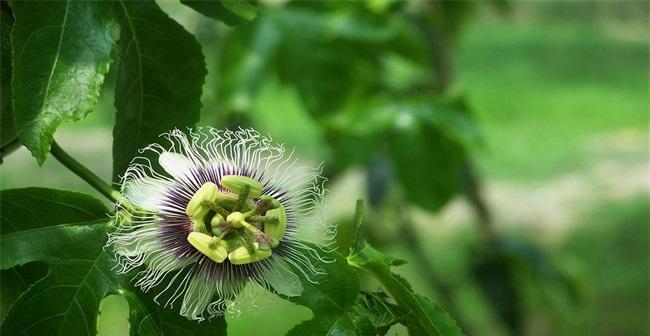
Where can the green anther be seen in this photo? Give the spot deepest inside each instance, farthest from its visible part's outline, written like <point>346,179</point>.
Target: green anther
<point>242,255</point>
<point>237,184</point>
<point>276,229</point>
<point>196,208</point>
<point>209,246</point>
<point>227,200</point>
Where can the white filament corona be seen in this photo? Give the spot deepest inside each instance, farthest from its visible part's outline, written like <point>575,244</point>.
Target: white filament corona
<point>153,242</point>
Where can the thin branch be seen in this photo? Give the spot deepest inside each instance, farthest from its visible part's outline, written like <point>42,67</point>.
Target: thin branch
<point>87,175</point>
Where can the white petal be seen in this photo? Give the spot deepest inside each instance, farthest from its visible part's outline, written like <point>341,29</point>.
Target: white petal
<point>147,192</point>
<point>282,278</point>
<point>176,165</point>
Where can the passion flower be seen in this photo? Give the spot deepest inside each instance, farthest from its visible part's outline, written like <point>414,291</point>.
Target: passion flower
<point>219,211</point>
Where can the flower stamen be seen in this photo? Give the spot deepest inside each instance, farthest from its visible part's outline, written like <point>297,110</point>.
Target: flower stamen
<point>211,248</point>
<point>260,228</point>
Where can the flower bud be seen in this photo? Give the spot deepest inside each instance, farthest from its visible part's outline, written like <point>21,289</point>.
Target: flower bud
<point>205,244</point>
<point>276,229</point>
<point>237,184</point>
<point>242,255</point>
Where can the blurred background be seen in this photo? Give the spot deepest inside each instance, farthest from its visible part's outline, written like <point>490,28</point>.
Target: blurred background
<point>501,147</point>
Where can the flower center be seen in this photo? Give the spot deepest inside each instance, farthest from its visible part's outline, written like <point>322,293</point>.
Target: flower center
<point>238,223</point>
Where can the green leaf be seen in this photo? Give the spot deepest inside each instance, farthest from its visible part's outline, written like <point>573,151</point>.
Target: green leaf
<point>61,53</point>
<point>381,313</point>
<point>444,323</point>
<point>7,128</point>
<point>349,235</point>
<point>331,297</point>
<point>231,12</point>
<point>427,160</point>
<point>15,281</point>
<point>426,317</point>
<point>148,318</point>
<point>246,61</point>
<point>66,231</point>
<point>499,266</point>
<point>159,79</point>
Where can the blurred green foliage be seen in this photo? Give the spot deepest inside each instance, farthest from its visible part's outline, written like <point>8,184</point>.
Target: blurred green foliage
<point>354,84</point>
<point>613,245</point>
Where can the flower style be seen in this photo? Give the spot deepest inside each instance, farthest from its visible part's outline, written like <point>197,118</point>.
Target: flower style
<point>228,212</point>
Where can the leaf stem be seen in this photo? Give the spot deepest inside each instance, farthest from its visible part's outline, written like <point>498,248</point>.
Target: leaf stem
<point>87,175</point>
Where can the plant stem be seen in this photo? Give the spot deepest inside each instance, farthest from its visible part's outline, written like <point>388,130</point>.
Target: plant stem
<point>87,175</point>
<point>9,148</point>
<point>473,192</point>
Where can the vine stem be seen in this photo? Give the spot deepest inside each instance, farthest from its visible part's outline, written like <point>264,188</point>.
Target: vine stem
<point>87,175</point>
<point>8,148</point>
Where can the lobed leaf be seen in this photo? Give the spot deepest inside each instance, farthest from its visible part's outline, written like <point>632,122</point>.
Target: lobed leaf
<point>61,51</point>
<point>15,281</point>
<point>66,231</point>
